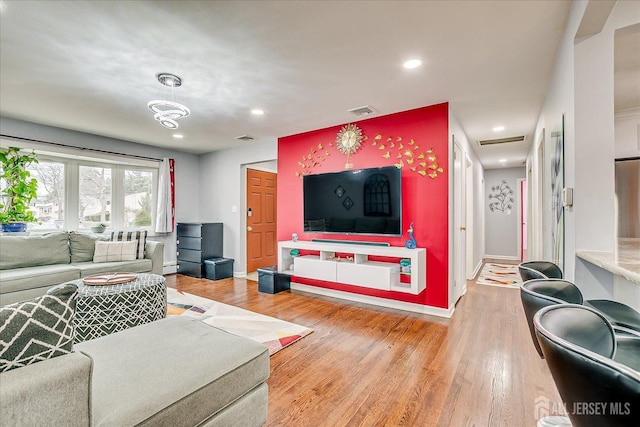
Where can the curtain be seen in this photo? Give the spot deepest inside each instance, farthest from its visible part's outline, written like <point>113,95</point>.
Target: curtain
<point>166,197</point>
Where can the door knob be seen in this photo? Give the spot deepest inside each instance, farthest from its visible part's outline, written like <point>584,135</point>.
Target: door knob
<point>463,228</point>
<point>249,228</point>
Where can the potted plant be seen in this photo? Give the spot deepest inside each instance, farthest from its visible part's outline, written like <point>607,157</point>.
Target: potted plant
<point>98,228</point>
<point>19,189</point>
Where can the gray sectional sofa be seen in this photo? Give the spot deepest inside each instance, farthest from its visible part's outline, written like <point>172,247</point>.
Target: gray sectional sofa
<point>30,265</point>
<point>176,371</point>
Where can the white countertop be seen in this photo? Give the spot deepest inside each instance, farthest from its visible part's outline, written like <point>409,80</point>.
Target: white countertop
<point>624,261</point>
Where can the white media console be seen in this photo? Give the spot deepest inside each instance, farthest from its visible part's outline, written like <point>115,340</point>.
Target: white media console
<point>354,266</point>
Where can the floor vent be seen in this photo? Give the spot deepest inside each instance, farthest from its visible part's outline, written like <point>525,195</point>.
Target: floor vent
<point>362,111</point>
<point>520,138</point>
<point>245,138</point>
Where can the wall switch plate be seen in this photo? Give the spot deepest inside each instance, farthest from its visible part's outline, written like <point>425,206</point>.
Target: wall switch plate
<point>567,197</point>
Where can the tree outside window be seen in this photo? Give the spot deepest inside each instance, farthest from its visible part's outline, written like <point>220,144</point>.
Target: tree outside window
<point>48,208</point>
<point>138,188</point>
<point>95,196</point>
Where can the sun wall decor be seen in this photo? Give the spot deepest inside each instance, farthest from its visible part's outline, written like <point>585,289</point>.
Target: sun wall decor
<point>348,141</point>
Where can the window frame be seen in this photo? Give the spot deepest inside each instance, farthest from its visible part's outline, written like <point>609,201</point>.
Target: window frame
<point>71,205</point>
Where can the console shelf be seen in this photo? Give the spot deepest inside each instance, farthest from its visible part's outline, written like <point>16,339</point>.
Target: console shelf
<point>358,269</point>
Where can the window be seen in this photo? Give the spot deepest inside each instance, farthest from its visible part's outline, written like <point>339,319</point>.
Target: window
<point>49,206</point>
<point>95,196</point>
<point>77,194</point>
<point>138,192</point>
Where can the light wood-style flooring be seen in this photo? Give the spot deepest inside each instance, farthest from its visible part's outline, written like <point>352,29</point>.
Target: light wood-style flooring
<point>370,366</point>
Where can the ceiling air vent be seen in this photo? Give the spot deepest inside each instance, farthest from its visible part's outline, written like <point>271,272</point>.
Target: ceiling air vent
<point>362,111</point>
<point>245,138</point>
<point>520,138</point>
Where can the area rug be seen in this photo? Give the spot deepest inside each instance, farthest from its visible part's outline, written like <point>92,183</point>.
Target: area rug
<point>276,334</point>
<point>503,275</point>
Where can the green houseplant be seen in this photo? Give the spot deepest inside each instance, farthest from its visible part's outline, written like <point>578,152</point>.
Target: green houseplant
<point>18,189</point>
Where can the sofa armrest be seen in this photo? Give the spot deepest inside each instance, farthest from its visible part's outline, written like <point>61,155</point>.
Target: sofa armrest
<point>155,252</point>
<point>54,392</point>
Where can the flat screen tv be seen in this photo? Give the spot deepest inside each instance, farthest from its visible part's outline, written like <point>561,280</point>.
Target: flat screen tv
<point>364,201</point>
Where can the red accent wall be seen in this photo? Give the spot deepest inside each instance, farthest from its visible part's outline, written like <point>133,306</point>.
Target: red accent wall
<point>424,199</point>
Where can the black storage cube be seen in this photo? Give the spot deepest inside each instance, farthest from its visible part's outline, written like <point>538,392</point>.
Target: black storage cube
<point>218,268</point>
<point>272,282</point>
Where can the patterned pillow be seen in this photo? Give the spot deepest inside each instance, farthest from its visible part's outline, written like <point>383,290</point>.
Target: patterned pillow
<point>36,330</point>
<point>139,235</point>
<point>115,251</point>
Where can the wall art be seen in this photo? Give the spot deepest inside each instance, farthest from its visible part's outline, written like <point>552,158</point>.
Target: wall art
<point>557,184</point>
<point>502,198</point>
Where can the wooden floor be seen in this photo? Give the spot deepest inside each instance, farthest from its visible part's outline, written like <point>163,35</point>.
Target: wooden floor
<point>371,366</point>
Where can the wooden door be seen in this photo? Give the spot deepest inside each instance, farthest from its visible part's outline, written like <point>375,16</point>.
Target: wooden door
<point>261,219</point>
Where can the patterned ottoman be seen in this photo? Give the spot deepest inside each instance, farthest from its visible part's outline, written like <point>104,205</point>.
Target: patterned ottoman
<point>103,310</point>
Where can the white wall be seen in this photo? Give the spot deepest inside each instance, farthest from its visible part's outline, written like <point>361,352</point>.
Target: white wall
<point>478,195</point>
<point>187,172</point>
<point>559,101</point>
<point>222,192</point>
<point>627,133</point>
<point>582,89</point>
<point>501,228</point>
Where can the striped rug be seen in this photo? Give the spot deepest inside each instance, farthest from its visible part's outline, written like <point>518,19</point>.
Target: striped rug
<point>503,275</point>
<point>276,334</point>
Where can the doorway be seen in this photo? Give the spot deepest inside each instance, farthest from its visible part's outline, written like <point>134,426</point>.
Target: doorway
<point>522,207</point>
<point>470,218</point>
<point>459,228</point>
<point>261,219</point>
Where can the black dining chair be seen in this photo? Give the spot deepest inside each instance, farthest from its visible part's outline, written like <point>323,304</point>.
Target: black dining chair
<point>595,370</point>
<point>539,270</point>
<point>538,293</point>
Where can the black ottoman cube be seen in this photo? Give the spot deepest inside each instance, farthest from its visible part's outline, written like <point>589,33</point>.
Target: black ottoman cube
<point>218,268</point>
<point>272,282</point>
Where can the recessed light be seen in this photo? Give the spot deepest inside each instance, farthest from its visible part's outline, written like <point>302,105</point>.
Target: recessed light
<point>257,112</point>
<point>412,63</point>
<point>503,160</point>
<point>178,135</point>
<point>498,128</point>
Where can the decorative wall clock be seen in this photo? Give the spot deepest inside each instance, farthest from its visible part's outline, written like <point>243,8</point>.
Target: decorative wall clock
<point>348,141</point>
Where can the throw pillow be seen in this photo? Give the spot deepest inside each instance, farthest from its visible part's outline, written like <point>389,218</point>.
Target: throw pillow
<point>115,251</point>
<point>36,330</point>
<point>82,246</point>
<point>139,235</point>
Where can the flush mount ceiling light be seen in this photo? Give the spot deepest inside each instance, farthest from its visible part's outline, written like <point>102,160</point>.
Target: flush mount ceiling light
<point>168,112</point>
<point>498,128</point>
<point>412,63</point>
<point>257,112</point>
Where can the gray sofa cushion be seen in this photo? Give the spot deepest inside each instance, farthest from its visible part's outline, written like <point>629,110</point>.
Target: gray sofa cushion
<point>19,279</point>
<point>27,251</point>
<point>179,369</point>
<point>54,392</point>
<point>133,266</point>
<point>83,245</point>
<point>33,331</point>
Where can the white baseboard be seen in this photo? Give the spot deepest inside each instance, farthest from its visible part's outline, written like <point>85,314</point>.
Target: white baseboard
<point>504,257</point>
<point>476,270</point>
<point>366,299</point>
<point>169,267</point>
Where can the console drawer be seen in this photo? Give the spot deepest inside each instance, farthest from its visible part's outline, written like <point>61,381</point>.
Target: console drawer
<point>189,268</point>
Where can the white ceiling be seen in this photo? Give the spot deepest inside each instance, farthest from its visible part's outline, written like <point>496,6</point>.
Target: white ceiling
<point>91,65</point>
